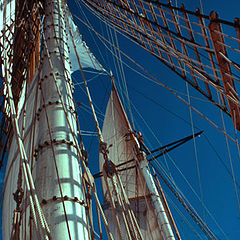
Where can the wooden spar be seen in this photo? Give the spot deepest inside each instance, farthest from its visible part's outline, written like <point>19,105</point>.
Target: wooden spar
<point>224,67</point>
<point>237,27</point>
<point>191,34</point>
<point>34,57</point>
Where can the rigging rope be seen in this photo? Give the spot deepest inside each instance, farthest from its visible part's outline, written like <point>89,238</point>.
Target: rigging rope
<point>231,164</point>
<point>86,18</point>
<point>48,122</point>
<point>190,186</point>
<point>124,79</point>
<point>102,147</point>
<point>187,206</point>
<point>177,192</point>
<point>116,60</point>
<point>34,203</point>
<point>155,80</point>
<point>183,217</point>
<point>102,144</point>
<point>26,169</point>
<point>195,151</point>
<point>154,135</point>
<point>101,37</point>
<point>123,19</point>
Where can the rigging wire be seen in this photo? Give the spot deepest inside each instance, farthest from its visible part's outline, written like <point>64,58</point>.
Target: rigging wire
<point>236,137</point>
<point>183,200</point>
<point>186,61</point>
<point>220,159</point>
<point>195,151</point>
<point>181,193</point>
<point>115,60</point>
<point>163,107</point>
<point>124,63</point>
<point>201,6</point>
<point>172,50</point>
<point>113,46</point>
<point>154,135</point>
<point>96,44</point>
<point>115,57</point>
<point>183,49</point>
<point>100,137</point>
<point>182,216</point>
<point>91,79</point>
<point>169,158</point>
<point>172,180</point>
<point>192,189</point>
<point>29,183</point>
<point>87,108</point>
<point>155,80</point>
<point>192,209</point>
<point>231,164</point>
<point>84,92</point>
<point>142,183</point>
<point>87,172</point>
<point>124,80</point>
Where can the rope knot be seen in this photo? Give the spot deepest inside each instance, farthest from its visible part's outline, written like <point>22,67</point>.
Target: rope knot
<point>18,197</point>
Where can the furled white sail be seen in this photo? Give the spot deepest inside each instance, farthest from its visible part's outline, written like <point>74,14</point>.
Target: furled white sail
<point>44,124</point>
<point>118,133</point>
<point>88,60</point>
<point>30,126</point>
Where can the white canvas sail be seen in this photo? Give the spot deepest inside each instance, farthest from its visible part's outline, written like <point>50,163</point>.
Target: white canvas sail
<point>12,170</point>
<point>34,132</point>
<point>117,132</point>
<point>88,60</point>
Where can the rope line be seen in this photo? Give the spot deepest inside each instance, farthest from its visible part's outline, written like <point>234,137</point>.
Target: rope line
<point>195,150</point>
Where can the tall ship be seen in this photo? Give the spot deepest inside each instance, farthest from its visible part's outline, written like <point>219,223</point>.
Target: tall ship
<point>119,119</point>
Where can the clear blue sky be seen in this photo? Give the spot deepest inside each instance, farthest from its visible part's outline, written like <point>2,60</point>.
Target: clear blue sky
<point>169,120</point>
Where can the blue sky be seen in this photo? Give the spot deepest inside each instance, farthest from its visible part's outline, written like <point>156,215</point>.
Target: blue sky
<point>162,118</point>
